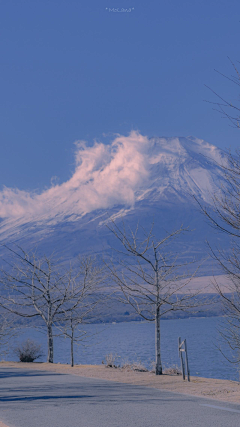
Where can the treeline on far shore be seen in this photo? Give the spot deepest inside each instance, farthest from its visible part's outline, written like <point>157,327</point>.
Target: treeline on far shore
<point>118,312</point>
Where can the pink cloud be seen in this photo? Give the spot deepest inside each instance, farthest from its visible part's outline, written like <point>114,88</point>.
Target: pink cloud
<point>104,175</point>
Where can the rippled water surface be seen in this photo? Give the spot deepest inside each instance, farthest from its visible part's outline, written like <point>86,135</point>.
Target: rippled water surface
<point>135,342</point>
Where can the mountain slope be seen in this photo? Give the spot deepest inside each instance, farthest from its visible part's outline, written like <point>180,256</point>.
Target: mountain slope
<point>135,178</point>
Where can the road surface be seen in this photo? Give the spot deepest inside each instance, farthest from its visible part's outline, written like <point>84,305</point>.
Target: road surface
<point>31,398</point>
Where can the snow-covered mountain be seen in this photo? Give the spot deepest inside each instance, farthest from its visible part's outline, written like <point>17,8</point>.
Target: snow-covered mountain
<point>134,177</point>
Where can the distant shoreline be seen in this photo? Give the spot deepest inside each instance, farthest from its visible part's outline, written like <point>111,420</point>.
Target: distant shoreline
<point>137,320</point>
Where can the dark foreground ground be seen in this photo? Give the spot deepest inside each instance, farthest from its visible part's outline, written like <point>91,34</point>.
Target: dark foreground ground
<point>34,398</point>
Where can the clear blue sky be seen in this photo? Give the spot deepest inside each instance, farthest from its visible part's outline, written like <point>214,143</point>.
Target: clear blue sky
<point>71,70</point>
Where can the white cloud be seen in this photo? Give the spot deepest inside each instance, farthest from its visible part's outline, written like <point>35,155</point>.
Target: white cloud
<point>131,168</point>
<point>104,175</point>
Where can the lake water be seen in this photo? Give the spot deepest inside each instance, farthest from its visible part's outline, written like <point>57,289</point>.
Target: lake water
<point>134,341</point>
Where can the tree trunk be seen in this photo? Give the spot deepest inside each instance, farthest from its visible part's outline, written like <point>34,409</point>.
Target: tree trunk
<point>158,369</point>
<point>50,343</point>
<point>72,340</point>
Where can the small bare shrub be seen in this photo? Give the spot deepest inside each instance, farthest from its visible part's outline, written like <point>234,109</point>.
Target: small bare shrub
<point>126,366</point>
<point>28,351</point>
<point>172,370</point>
<point>110,360</point>
<point>153,367</point>
<point>139,367</point>
<point>135,366</point>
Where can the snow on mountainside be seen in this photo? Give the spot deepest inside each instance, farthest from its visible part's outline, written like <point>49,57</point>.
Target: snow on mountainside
<point>134,176</point>
<point>129,169</point>
<point>182,167</point>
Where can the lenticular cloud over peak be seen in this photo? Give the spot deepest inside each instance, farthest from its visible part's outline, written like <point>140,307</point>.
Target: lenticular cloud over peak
<point>131,169</point>
<point>104,175</point>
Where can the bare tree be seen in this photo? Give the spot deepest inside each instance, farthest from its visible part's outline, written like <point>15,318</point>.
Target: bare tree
<point>149,277</point>
<point>41,287</point>
<point>229,110</point>
<point>225,218</point>
<point>85,297</point>
<point>229,328</point>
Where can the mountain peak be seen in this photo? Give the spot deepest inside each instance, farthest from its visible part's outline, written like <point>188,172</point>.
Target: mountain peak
<point>134,177</point>
<point>130,169</point>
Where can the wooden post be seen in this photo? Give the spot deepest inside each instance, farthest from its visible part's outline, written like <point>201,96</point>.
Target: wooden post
<point>181,357</point>
<point>186,356</point>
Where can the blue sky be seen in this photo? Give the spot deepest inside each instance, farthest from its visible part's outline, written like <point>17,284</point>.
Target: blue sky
<point>73,70</point>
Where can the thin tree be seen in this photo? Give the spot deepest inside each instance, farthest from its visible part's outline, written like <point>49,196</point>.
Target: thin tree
<point>149,277</point>
<point>86,297</point>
